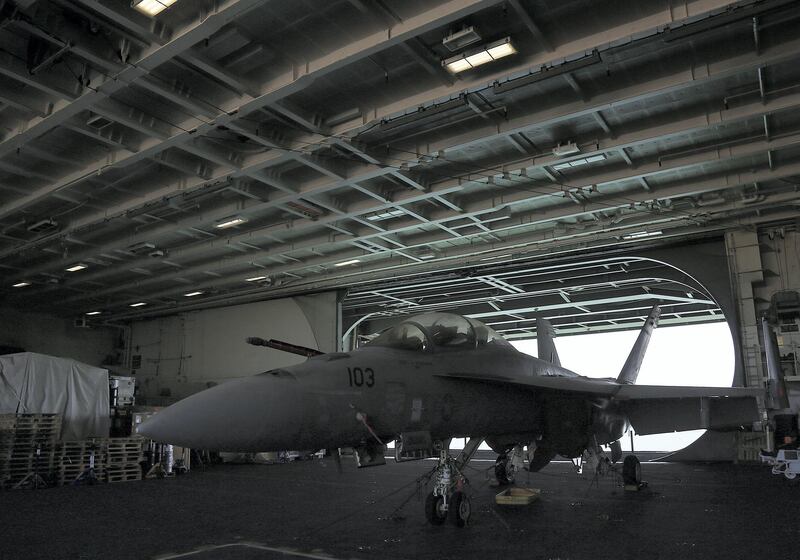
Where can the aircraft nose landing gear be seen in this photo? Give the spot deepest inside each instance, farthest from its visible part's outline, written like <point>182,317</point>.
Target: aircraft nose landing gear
<point>448,499</point>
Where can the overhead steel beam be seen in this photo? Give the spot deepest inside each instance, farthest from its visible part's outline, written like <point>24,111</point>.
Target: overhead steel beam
<point>650,133</point>
<point>535,30</point>
<point>661,82</point>
<point>492,203</point>
<point>691,187</point>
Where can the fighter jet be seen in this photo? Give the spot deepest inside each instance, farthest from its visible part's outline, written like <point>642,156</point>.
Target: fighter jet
<point>439,376</point>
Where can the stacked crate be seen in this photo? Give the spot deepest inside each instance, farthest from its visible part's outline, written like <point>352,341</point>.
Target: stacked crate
<point>8,422</point>
<point>122,458</point>
<point>74,458</point>
<point>27,445</point>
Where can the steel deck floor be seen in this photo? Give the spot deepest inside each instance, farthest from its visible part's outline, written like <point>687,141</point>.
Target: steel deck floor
<point>262,512</point>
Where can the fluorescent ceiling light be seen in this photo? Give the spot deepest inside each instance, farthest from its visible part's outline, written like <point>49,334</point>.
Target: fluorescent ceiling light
<point>641,234</point>
<point>192,294</point>
<point>458,65</point>
<point>151,7</point>
<point>255,279</point>
<point>579,162</point>
<point>77,267</point>
<point>386,215</point>
<point>501,50</point>
<point>230,222</point>
<point>477,57</point>
<point>94,313</point>
<point>141,303</point>
<point>21,284</point>
<point>427,256</point>
<point>345,263</point>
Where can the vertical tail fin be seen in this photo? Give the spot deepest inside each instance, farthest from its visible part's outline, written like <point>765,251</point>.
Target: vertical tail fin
<point>776,388</point>
<point>545,342</point>
<point>630,371</point>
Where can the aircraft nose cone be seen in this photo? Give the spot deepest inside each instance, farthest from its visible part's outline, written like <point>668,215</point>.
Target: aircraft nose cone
<point>260,413</point>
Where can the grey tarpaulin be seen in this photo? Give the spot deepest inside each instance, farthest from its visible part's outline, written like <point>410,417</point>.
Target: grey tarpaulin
<point>36,383</point>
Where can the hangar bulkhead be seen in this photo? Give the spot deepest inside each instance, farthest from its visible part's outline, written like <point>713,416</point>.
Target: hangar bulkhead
<point>495,249</point>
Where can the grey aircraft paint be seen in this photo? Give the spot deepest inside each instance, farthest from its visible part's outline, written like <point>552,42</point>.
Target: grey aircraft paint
<point>438,376</point>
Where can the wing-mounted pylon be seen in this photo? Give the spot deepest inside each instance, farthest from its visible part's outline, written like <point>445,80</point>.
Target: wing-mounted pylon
<point>630,371</point>
<point>545,341</point>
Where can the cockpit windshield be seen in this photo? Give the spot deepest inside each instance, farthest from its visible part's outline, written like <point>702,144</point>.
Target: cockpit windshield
<point>405,336</point>
<point>441,330</point>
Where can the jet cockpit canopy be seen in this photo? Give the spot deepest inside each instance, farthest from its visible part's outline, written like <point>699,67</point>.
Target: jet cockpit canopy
<point>439,330</point>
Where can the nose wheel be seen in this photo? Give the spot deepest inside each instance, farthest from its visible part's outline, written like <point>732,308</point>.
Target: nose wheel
<point>435,509</point>
<point>460,509</point>
<point>448,500</point>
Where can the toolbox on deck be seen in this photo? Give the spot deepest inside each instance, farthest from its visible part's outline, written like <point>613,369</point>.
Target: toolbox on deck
<point>517,496</point>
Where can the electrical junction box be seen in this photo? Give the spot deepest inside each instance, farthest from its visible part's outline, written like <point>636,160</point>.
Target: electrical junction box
<point>122,389</point>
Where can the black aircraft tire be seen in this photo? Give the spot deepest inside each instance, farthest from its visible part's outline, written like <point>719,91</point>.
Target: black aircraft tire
<point>433,505</point>
<point>632,471</point>
<point>460,509</point>
<point>501,472</point>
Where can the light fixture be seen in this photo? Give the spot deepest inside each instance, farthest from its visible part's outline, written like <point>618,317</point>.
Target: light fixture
<point>386,215</point>
<point>427,256</point>
<point>77,267</point>
<point>151,7</point>
<point>641,234</point>
<point>255,279</point>
<point>230,222</point>
<point>94,313</point>
<point>345,263</point>
<point>579,162</point>
<point>477,57</point>
<point>460,39</point>
<point>192,294</point>
<point>566,149</point>
<point>21,284</point>
<point>141,303</point>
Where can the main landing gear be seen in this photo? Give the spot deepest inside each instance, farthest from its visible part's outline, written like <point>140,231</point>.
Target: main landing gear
<point>508,465</point>
<point>448,499</point>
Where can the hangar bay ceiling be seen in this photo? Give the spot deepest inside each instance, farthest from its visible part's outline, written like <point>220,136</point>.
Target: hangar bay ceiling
<point>585,295</point>
<point>262,149</point>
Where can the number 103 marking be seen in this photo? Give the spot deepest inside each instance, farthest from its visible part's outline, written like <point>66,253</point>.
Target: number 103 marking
<point>359,377</point>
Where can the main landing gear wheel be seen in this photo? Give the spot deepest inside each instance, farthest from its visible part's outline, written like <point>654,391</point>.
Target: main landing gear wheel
<point>503,471</point>
<point>434,509</point>
<point>460,509</point>
<point>632,471</point>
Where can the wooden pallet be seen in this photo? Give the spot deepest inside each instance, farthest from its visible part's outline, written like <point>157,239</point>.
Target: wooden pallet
<point>22,436</point>
<point>123,473</point>
<point>124,451</point>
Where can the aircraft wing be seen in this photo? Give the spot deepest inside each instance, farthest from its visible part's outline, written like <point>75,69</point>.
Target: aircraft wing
<point>651,409</point>
<point>577,385</point>
<point>655,410</point>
